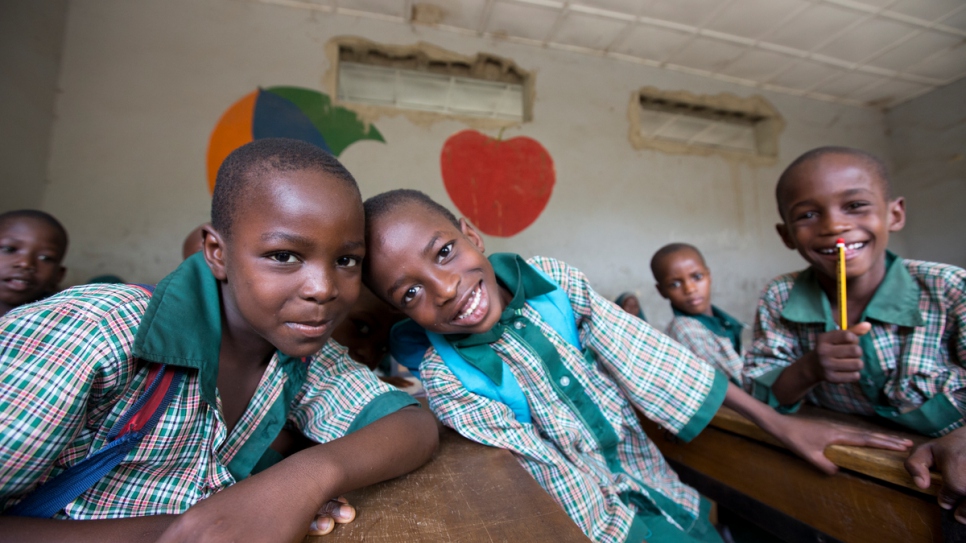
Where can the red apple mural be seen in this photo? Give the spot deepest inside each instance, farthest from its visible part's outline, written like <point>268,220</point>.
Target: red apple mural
<point>501,186</point>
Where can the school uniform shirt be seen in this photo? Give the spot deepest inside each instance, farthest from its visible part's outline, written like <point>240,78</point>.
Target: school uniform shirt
<point>913,357</point>
<point>69,368</point>
<point>584,445</point>
<point>716,339</point>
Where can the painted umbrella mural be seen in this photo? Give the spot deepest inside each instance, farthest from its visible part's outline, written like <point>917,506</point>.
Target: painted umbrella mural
<point>285,112</point>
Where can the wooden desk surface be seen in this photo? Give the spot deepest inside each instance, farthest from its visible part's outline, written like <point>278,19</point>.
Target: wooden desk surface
<point>468,493</point>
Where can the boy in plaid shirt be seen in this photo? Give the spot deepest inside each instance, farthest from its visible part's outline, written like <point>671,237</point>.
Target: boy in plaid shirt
<point>901,354</point>
<point>32,247</point>
<point>710,333</point>
<point>583,442</point>
<point>249,320</point>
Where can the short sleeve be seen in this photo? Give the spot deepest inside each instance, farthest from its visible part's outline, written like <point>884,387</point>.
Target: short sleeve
<point>340,396</point>
<point>658,375</point>
<point>774,346</point>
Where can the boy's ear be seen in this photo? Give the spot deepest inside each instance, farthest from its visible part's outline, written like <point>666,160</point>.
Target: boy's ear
<point>213,248</point>
<point>897,214</point>
<point>472,235</point>
<point>786,237</point>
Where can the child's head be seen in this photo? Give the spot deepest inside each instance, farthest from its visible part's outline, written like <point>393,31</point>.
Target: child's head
<point>629,303</point>
<point>838,192</point>
<point>32,246</point>
<point>430,265</point>
<point>683,278</point>
<point>365,330</point>
<point>286,243</point>
<point>194,241</point>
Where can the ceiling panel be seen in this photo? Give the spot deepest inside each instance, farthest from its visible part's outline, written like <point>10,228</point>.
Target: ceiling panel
<point>461,13</point>
<point>652,43</point>
<point>706,54</point>
<point>889,93</point>
<point>814,25</point>
<point>914,50</point>
<point>735,19</point>
<point>689,12</point>
<point>867,39</point>
<point>957,20</point>
<point>757,65</point>
<point>943,66</point>
<point>521,20</point>
<point>928,10</point>
<point>587,31</point>
<point>621,6</point>
<point>803,75</point>
<point>395,8</point>
<point>846,84</point>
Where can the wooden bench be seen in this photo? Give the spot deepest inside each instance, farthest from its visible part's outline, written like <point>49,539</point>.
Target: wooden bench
<point>468,492</point>
<point>872,499</point>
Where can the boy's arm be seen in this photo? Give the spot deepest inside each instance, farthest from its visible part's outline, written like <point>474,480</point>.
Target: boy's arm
<point>837,358</point>
<point>948,455</point>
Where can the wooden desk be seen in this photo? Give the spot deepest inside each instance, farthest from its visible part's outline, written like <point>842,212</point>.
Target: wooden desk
<point>872,499</point>
<point>467,493</point>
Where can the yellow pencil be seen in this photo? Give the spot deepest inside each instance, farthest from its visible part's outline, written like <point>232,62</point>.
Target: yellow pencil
<point>843,300</point>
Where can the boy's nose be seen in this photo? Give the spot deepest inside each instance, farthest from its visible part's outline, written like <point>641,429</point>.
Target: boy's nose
<point>835,223</point>
<point>447,286</point>
<point>26,261</point>
<point>320,286</point>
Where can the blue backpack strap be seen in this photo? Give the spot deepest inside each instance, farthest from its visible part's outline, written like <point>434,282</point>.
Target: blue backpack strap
<point>135,423</point>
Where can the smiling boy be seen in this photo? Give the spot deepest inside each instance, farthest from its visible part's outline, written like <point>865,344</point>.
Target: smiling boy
<point>714,336</point>
<point>578,435</point>
<point>248,320</point>
<point>32,246</point>
<point>901,355</point>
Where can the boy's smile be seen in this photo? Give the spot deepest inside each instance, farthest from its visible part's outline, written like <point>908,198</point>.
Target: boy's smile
<point>839,196</point>
<point>30,254</point>
<point>292,268</point>
<point>686,282</point>
<point>434,272</point>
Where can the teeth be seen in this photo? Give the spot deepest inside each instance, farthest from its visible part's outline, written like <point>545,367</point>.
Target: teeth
<point>477,295</point>
<point>850,246</point>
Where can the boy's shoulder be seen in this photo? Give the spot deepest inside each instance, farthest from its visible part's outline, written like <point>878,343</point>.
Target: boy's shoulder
<point>936,274</point>
<point>777,290</point>
<point>90,303</point>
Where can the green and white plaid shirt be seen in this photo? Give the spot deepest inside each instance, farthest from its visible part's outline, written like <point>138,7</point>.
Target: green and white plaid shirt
<point>69,368</point>
<point>636,366</point>
<point>913,356</point>
<point>718,349</point>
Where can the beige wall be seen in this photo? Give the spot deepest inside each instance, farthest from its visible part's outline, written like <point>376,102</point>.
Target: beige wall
<point>928,138</point>
<point>143,83</point>
<point>31,36</point>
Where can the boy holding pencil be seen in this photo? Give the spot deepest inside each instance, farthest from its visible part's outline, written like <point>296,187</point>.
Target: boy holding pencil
<point>893,345</point>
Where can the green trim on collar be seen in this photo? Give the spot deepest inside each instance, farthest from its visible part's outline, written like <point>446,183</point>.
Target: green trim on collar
<point>720,324</point>
<point>895,301</point>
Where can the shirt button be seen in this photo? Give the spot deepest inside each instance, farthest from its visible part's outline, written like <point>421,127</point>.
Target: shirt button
<point>564,381</point>
<point>519,325</point>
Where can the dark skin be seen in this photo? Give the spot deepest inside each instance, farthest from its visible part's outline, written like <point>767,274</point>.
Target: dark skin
<point>841,196</point>
<point>287,275</point>
<point>365,333</point>
<point>31,251</point>
<point>436,274</point>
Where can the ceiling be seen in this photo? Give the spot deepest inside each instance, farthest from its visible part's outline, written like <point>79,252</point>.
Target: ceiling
<point>876,53</point>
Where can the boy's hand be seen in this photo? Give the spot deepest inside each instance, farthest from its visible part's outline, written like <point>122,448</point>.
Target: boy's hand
<point>809,439</point>
<point>838,357</point>
<point>337,511</point>
<point>948,455</point>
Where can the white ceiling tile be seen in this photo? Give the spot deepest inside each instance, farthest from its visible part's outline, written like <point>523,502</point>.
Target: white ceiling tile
<point>629,7</point>
<point>944,66</point>
<point>866,39</point>
<point>652,43</point>
<point>736,19</point>
<point>958,20</point>
<point>928,10</point>
<point>846,83</point>
<point>587,31</point>
<point>813,25</point>
<point>757,65</point>
<point>385,7</point>
<point>689,12</point>
<point>461,13</point>
<point>888,92</point>
<point>804,74</point>
<point>521,21</point>
<point>914,50</point>
<point>707,54</point>
<point>875,4</point>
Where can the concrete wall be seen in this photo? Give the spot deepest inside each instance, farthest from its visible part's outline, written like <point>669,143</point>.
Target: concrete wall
<point>928,137</point>
<point>31,39</point>
<point>145,82</point>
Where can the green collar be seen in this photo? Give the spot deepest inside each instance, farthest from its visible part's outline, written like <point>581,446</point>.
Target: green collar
<point>720,323</point>
<point>182,325</point>
<point>896,301</point>
<point>513,273</point>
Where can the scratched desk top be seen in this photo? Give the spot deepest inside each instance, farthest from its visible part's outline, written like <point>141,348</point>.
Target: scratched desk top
<point>467,493</point>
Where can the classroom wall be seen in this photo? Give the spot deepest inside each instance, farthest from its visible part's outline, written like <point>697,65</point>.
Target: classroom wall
<point>143,84</point>
<point>31,38</point>
<point>928,137</point>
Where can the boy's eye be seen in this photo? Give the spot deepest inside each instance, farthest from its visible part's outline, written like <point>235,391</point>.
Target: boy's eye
<point>806,215</point>
<point>348,261</point>
<point>698,276</point>
<point>445,251</point>
<point>675,284</point>
<point>851,206</point>
<point>284,258</point>
<point>410,293</point>
<point>7,249</point>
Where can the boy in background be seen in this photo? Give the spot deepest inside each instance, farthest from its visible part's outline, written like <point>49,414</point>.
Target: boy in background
<point>32,246</point>
<point>713,335</point>
<point>579,436</point>
<point>901,354</point>
<point>248,320</point>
